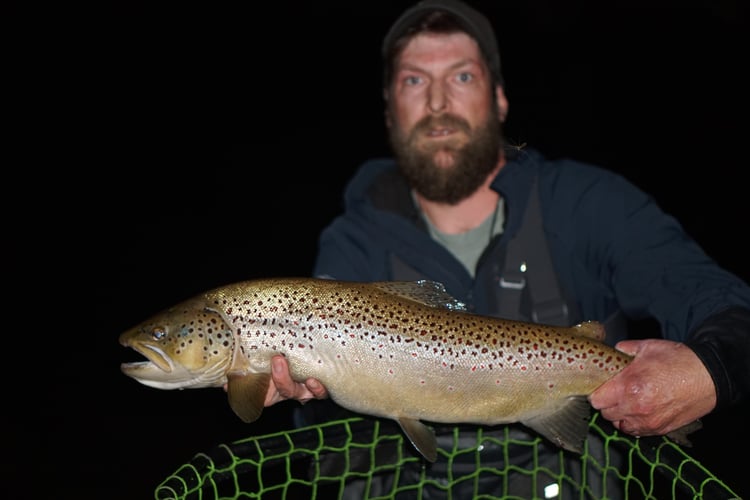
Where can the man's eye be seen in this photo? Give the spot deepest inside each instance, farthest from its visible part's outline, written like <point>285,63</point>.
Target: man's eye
<point>412,80</point>
<point>464,77</point>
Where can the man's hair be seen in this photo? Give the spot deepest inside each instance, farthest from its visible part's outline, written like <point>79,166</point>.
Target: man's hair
<point>445,17</point>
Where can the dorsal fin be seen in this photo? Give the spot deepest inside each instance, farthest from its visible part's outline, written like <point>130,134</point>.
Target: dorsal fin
<point>429,293</point>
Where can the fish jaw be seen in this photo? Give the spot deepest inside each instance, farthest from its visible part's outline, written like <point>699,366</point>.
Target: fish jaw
<point>160,371</point>
<point>151,375</point>
<point>187,346</point>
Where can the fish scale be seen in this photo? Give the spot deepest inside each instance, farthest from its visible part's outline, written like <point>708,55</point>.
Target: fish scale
<point>407,351</point>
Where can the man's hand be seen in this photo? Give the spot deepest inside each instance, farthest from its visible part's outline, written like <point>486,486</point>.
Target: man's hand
<point>664,387</point>
<point>283,387</point>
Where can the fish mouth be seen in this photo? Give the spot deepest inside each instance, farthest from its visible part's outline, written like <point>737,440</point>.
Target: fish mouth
<point>154,355</point>
<point>158,370</point>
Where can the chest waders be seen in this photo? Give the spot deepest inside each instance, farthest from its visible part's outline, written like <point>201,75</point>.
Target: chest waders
<point>521,284</point>
<point>528,266</point>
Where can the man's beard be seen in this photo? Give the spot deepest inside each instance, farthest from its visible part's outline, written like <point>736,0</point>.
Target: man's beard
<point>472,162</point>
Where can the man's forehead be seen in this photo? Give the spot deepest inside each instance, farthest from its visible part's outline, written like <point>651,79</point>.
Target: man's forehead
<point>430,49</point>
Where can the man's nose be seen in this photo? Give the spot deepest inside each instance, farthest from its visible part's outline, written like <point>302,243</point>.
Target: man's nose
<point>437,99</point>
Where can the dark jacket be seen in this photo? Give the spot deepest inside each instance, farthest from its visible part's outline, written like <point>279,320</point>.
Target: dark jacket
<point>611,245</point>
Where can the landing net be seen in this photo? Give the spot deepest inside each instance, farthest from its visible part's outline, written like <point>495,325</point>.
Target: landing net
<point>372,459</point>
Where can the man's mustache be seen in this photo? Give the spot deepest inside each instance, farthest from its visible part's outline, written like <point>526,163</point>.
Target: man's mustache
<point>443,121</point>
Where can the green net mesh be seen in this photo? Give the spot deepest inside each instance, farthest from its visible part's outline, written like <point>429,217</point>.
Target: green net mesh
<point>371,459</point>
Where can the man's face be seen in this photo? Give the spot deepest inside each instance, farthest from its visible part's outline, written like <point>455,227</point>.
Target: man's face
<point>443,120</point>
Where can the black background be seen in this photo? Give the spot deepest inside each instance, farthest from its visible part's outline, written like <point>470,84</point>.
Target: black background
<point>205,145</point>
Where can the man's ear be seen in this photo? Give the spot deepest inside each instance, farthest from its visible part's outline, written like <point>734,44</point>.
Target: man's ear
<point>502,103</point>
<point>387,110</point>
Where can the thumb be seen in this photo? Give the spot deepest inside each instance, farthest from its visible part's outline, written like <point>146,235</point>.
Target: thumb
<point>605,396</point>
<point>629,346</point>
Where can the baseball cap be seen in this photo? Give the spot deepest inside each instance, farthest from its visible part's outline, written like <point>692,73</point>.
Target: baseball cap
<point>471,20</point>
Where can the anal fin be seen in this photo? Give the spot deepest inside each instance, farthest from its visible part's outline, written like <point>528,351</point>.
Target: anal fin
<point>568,426</point>
<point>679,436</point>
<point>247,394</point>
<point>421,437</point>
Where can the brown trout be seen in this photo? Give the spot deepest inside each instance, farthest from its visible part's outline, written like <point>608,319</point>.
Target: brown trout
<point>406,351</point>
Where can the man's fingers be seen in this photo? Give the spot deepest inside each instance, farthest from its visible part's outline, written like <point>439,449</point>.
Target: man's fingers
<point>316,388</point>
<point>287,388</point>
<point>281,378</point>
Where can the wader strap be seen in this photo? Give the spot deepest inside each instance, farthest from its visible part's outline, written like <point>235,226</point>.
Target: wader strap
<point>528,264</point>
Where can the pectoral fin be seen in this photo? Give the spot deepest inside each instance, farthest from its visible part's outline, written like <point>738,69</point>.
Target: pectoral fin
<point>567,427</point>
<point>421,436</point>
<point>247,394</point>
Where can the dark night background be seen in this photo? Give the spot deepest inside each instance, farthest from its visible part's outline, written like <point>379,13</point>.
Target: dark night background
<point>211,144</point>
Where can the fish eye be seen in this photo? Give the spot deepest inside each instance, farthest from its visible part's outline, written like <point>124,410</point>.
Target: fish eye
<point>158,333</point>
